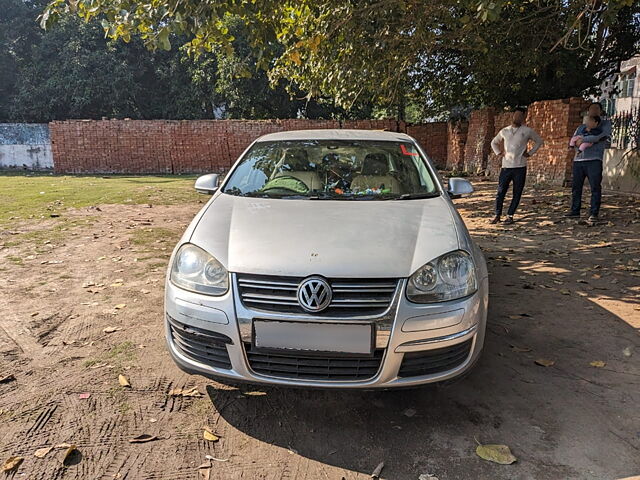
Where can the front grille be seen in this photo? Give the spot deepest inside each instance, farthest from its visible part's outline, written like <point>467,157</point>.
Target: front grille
<point>351,297</point>
<point>314,367</point>
<point>439,360</point>
<point>201,345</point>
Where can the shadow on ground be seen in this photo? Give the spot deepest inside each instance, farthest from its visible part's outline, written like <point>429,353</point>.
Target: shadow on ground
<point>548,282</point>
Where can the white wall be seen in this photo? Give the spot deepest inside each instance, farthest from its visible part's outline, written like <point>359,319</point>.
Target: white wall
<point>25,146</point>
<point>621,170</point>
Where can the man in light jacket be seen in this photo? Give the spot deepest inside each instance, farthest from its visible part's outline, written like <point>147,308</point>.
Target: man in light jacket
<point>512,144</point>
<point>588,163</point>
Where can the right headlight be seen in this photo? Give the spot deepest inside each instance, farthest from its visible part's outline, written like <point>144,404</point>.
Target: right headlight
<point>448,277</point>
<point>194,269</point>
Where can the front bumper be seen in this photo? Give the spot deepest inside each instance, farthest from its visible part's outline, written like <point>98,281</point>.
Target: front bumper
<point>412,328</point>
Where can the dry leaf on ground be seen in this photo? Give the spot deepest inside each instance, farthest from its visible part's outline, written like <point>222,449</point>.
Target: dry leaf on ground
<point>120,306</point>
<point>598,363</point>
<point>111,329</point>
<point>518,349</point>
<point>11,464</point>
<point>7,378</point>
<point>204,471</point>
<point>376,473</point>
<point>255,394</point>
<point>69,455</point>
<point>496,453</point>
<point>207,434</point>
<point>122,380</point>
<point>42,452</point>
<point>144,438</point>
<point>545,362</point>
<point>185,392</point>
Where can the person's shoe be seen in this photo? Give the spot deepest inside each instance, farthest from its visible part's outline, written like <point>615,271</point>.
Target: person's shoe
<point>572,215</point>
<point>509,220</point>
<point>495,220</point>
<point>592,219</point>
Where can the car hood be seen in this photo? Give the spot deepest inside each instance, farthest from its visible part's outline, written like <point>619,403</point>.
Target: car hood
<point>338,239</point>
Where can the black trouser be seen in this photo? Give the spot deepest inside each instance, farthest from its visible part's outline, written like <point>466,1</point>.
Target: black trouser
<point>507,175</point>
<point>591,169</point>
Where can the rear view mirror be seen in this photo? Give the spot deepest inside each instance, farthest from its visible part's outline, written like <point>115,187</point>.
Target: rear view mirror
<point>459,187</point>
<point>207,184</point>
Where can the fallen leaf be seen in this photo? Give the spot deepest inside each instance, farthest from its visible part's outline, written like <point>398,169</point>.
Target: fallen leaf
<point>378,470</point>
<point>185,392</point>
<point>207,434</point>
<point>123,381</point>
<point>35,314</point>
<point>545,362</point>
<point>11,464</point>
<point>255,393</point>
<point>84,396</point>
<point>144,438</point>
<point>7,378</point>
<point>515,348</point>
<point>598,363</point>
<point>120,306</point>
<point>409,412</point>
<point>111,329</point>
<point>496,453</point>
<point>69,454</point>
<point>42,452</point>
<point>564,291</point>
<point>62,445</point>
<point>427,476</point>
<point>626,351</point>
<point>204,471</point>
<point>145,291</point>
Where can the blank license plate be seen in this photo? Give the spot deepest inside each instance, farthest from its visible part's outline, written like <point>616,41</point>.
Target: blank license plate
<point>314,337</point>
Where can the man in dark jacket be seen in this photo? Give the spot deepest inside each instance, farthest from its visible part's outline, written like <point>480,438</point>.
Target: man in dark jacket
<point>588,164</point>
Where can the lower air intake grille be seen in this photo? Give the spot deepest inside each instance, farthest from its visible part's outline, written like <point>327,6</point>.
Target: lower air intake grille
<point>201,345</point>
<point>429,362</point>
<point>314,367</point>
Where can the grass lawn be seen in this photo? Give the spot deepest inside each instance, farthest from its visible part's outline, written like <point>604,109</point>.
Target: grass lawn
<point>24,196</point>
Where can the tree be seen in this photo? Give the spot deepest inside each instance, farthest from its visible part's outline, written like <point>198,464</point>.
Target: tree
<point>395,53</point>
<point>73,71</point>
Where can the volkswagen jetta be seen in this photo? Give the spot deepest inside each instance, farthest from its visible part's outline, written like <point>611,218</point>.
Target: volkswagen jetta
<point>328,258</point>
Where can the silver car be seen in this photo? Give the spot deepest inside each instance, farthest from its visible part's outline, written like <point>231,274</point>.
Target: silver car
<point>328,258</point>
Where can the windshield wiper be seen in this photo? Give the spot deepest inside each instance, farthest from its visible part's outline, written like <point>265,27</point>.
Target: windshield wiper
<point>414,196</point>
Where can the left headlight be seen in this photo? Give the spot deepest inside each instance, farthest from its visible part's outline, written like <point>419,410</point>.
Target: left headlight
<point>451,276</point>
<point>194,269</point>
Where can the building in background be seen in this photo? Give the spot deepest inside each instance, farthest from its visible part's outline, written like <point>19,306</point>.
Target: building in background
<point>621,91</point>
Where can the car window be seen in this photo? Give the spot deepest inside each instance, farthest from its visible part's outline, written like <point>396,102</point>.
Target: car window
<point>332,169</point>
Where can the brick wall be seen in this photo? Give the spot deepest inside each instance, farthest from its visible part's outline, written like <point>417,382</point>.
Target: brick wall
<point>159,146</point>
<point>194,146</point>
<point>555,121</point>
<point>199,146</point>
<point>479,136</point>
<point>456,141</point>
<point>433,139</point>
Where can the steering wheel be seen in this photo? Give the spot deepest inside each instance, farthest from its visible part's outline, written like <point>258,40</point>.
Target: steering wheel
<point>286,182</point>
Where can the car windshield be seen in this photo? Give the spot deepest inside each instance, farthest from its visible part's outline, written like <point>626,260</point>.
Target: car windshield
<point>333,169</point>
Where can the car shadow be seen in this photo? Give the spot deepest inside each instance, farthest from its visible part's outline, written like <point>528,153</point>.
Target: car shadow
<point>556,419</point>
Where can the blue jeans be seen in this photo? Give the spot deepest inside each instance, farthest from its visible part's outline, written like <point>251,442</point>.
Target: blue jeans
<point>591,169</point>
<point>507,175</point>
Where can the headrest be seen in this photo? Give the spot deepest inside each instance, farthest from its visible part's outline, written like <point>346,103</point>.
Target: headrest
<point>375,164</point>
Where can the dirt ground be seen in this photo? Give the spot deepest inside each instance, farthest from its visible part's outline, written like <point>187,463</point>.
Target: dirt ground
<point>81,304</point>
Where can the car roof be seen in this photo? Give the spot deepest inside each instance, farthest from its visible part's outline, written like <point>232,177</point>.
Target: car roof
<point>336,134</point>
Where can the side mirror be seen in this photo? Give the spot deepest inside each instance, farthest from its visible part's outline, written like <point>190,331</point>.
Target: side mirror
<point>207,184</point>
<point>459,187</point>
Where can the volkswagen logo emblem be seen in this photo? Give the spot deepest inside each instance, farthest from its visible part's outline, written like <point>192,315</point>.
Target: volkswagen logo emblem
<point>314,294</point>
